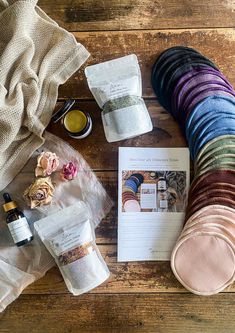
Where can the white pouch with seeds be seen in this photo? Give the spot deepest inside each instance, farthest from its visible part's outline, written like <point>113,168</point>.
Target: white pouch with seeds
<point>70,238</point>
<point>117,88</point>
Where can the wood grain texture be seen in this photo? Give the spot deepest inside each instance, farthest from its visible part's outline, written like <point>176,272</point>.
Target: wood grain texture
<point>139,296</point>
<point>148,45</point>
<point>136,277</point>
<point>102,155</point>
<point>117,313</point>
<point>93,15</point>
<point>132,278</point>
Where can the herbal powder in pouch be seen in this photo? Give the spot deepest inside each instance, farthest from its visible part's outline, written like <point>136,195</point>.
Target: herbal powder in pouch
<point>70,238</point>
<point>117,88</point>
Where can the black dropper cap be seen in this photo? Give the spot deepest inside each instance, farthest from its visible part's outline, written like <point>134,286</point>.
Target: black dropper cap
<point>7,197</point>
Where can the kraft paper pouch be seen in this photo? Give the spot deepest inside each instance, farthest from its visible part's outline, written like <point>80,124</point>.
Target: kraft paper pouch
<point>70,238</point>
<point>20,266</point>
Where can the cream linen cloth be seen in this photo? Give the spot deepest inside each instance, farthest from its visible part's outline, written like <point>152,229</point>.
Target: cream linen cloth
<point>36,56</point>
<point>20,266</point>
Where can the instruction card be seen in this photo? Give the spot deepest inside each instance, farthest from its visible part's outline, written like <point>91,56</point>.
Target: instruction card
<point>153,185</point>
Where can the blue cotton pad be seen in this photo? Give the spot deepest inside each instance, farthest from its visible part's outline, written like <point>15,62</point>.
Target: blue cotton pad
<point>220,124</point>
<point>211,104</point>
<point>206,123</point>
<point>131,184</point>
<point>210,128</point>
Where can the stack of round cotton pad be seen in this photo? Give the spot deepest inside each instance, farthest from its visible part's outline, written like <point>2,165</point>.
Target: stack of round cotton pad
<point>203,259</point>
<point>130,188</point>
<point>202,100</point>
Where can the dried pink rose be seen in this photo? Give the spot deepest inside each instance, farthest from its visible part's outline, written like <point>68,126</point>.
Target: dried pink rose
<point>69,171</point>
<point>47,163</point>
<point>39,193</point>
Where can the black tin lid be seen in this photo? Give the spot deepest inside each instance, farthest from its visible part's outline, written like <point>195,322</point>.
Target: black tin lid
<point>63,110</point>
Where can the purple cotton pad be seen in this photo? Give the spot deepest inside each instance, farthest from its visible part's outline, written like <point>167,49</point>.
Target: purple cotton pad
<point>199,97</point>
<point>198,75</point>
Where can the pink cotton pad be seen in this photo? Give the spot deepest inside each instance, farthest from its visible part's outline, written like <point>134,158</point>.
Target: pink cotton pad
<point>204,263</point>
<point>208,227</point>
<point>132,206</point>
<point>213,210</point>
<point>211,219</point>
<point>222,221</point>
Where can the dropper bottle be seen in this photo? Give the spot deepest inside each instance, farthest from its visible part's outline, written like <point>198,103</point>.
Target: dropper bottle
<point>17,222</point>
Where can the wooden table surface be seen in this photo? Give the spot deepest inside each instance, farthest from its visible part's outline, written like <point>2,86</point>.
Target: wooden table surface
<point>142,296</point>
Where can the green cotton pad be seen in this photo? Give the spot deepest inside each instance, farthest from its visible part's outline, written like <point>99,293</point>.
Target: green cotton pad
<point>219,159</point>
<point>226,149</point>
<point>214,143</point>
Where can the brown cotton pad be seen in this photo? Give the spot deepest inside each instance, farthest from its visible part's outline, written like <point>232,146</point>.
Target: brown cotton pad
<point>215,201</point>
<point>210,177</point>
<point>209,187</point>
<point>203,201</point>
<point>204,195</point>
<point>216,186</point>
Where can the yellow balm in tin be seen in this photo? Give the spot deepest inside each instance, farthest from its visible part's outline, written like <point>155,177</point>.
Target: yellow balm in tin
<point>76,123</point>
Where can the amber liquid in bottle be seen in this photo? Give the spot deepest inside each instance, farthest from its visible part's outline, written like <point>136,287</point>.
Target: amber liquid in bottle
<point>17,222</point>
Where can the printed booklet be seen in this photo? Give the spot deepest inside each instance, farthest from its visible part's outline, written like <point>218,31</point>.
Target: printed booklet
<point>153,185</point>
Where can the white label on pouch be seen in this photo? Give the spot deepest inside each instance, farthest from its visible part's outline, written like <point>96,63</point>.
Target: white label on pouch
<point>72,237</point>
<point>20,230</point>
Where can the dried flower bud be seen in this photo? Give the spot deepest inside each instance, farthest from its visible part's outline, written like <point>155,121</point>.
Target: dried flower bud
<point>39,193</point>
<point>47,163</point>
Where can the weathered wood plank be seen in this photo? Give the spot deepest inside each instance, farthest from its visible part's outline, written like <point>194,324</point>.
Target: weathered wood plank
<point>102,155</point>
<point>132,277</point>
<point>148,45</point>
<point>164,313</point>
<point>90,15</point>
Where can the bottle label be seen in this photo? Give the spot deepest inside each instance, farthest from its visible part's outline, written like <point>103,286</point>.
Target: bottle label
<point>163,204</point>
<point>19,230</point>
<point>161,185</point>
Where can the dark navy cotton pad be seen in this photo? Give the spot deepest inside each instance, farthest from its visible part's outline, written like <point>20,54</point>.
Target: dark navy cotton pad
<point>139,176</point>
<point>177,74</point>
<point>164,56</point>
<point>159,65</point>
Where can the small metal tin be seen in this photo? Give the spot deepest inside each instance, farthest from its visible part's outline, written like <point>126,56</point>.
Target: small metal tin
<point>64,111</point>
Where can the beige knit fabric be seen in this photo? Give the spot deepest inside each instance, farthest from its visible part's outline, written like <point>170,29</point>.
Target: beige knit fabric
<point>36,56</point>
